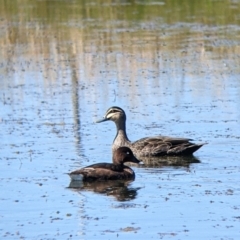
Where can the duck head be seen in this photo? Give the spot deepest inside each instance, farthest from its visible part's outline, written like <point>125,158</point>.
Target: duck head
<point>124,154</point>
<point>114,114</point>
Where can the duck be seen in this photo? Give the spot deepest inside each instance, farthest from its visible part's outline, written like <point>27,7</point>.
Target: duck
<point>108,171</point>
<point>156,146</point>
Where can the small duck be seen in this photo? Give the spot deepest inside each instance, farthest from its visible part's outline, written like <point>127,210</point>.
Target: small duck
<point>108,171</point>
<point>148,146</point>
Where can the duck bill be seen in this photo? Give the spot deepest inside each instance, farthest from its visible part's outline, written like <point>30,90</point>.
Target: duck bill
<point>135,160</point>
<point>102,120</point>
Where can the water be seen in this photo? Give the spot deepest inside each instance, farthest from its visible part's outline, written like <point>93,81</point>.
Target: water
<point>172,66</point>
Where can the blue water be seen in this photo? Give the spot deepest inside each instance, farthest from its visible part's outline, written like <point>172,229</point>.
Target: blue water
<point>184,84</point>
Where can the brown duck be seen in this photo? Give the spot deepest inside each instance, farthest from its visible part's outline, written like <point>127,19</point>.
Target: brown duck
<point>148,146</point>
<point>108,171</point>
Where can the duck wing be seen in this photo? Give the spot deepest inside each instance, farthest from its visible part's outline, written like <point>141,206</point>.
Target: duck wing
<point>164,145</point>
<point>100,171</point>
<point>93,168</point>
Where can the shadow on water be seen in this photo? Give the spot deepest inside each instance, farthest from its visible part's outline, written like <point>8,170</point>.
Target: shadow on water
<point>119,189</point>
<point>179,161</point>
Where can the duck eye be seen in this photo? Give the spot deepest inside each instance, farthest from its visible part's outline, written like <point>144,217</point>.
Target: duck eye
<point>127,153</point>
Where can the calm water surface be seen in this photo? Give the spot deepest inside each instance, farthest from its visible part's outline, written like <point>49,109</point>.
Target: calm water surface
<point>173,66</point>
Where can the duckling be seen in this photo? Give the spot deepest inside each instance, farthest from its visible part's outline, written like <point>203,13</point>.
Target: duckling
<point>108,171</point>
<point>148,146</point>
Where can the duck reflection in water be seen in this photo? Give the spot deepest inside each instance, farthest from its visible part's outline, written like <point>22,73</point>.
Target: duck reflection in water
<point>173,161</point>
<point>120,189</point>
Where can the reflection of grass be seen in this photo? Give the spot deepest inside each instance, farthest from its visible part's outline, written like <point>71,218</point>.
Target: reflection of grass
<point>43,22</point>
<point>54,12</point>
<point>62,38</point>
<point>39,26</point>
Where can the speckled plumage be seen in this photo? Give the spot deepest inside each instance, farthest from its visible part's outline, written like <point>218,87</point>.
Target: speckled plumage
<point>148,146</point>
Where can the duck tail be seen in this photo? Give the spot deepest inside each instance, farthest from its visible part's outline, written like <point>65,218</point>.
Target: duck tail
<point>192,148</point>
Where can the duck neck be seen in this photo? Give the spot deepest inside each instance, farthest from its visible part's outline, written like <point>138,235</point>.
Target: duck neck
<point>117,166</point>
<point>121,136</point>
